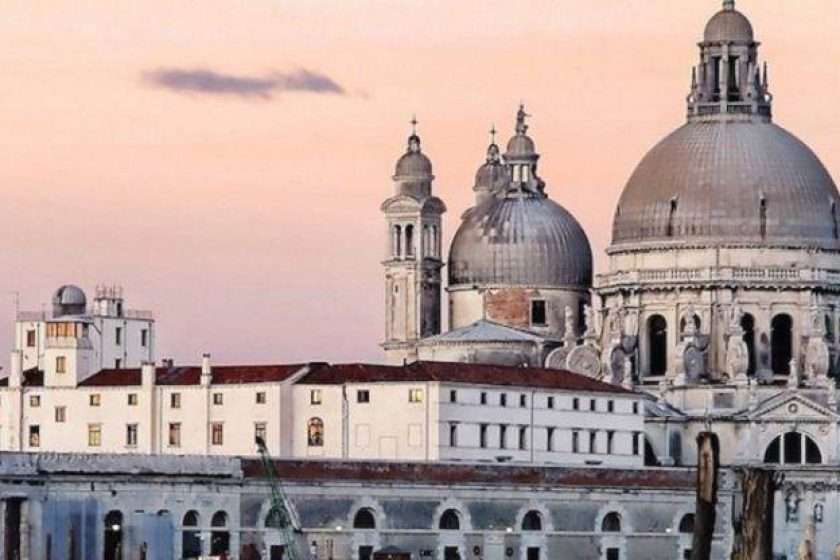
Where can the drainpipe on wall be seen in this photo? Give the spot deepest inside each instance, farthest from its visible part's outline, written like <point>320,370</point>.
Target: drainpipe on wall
<point>532,425</point>
<point>345,423</point>
<point>147,380</point>
<point>206,380</point>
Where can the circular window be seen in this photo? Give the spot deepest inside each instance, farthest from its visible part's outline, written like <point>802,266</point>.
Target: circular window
<point>793,408</point>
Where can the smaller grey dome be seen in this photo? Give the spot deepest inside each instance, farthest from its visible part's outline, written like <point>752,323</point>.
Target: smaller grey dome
<point>520,239</point>
<point>729,25</point>
<point>519,146</point>
<point>69,300</point>
<point>413,163</point>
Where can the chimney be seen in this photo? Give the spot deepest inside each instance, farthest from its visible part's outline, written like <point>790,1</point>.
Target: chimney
<point>206,371</point>
<point>16,372</point>
<point>147,375</point>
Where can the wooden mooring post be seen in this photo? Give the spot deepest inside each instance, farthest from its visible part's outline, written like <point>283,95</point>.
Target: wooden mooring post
<point>708,462</point>
<point>753,531</point>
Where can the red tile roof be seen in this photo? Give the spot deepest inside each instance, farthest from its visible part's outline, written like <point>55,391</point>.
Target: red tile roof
<point>451,372</point>
<point>191,375</point>
<point>449,473</point>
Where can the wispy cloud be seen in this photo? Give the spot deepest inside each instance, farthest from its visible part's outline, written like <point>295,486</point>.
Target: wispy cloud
<point>210,82</point>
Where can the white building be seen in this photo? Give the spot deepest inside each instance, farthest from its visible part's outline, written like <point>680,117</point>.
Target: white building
<point>434,411</point>
<point>74,341</point>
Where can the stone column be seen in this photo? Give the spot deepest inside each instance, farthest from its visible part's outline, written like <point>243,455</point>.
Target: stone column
<point>24,530</point>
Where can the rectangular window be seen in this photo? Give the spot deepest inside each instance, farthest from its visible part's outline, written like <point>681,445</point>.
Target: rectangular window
<point>550,402</point>
<point>503,399</point>
<point>415,395</point>
<point>35,436</point>
<point>502,437</point>
<point>610,406</point>
<point>523,438</point>
<point>482,436</point>
<point>259,431</point>
<point>175,434</point>
<point>118,363</point>
<point>94,399</point>
<point>635,408</point>
<point>575,403</point>
<point>118,336</point>
<point>363,396</point>
<point>131,435</point>
<point>315,396</point>
<point>144,338</point>
<point>30,339</point>
<point>60,414</point>
<point>575,442</point>
<point>593,439</point>
<point>453,396</point>
<point>261,397</point>
<point>635,443</point>
<point>610,436</point>
<point>613,554</point>
<point>592,405</point>
<point>549,439</point>
<point>175,400</point>
<point>217,434</point>
<point>453,435</point>
<point>35,401</point>
<point>523,401</point>
<point>132,399</point>
<point>61,364</point>
<point>483,397</point>
<point>218,398</point>
<point>94,435</point>
<point>538,314</point>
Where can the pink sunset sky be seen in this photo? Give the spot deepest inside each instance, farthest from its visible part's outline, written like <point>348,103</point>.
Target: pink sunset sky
<point>224,160</point>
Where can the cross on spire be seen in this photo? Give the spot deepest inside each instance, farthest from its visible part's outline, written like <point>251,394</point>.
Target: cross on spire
<point>413,122</point>
<point>493,133</point>
<point>728,4</point>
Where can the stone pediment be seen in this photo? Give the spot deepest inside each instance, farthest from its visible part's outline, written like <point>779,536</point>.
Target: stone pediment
<point>789,406</point>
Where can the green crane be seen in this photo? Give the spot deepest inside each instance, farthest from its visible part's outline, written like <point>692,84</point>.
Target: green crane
<point>281,508</point>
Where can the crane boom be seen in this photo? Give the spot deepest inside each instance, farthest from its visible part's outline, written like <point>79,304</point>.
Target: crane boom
<point>281,507</point>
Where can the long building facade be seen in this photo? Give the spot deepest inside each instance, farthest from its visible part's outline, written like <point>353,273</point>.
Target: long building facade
<point>118,507</point>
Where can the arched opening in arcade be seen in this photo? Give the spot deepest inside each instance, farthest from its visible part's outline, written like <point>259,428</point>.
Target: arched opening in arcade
<point>113,535</point>
<point>748,326</point>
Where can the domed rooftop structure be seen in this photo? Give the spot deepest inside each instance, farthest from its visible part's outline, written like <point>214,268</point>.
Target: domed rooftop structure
<point>519,237</point>
<point>520,240</point>
<point>413,164</point>
<point>69,300</point>
<point>729,176</point>
<point>728,25</point>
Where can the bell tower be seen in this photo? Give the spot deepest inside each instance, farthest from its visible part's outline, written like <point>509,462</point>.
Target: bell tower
<point>413,260</point>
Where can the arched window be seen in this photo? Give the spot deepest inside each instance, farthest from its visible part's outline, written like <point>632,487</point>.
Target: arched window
<point>748,326</point>
<point>532,521</point>
<point>450,520</point>
<point>781,343</point>
<point>219,537</point>
<point>397,243</point>
<point>829,329</point>
<point>364,519</point>
<point>409,240</point>
<point>687,524</point>
<point>190,537</point>
<point>611,523</point>
<point>315,432</point>
<point>793,448</point>
<point>113,535</point>
<point>675,447</point>
<point>657,332</point>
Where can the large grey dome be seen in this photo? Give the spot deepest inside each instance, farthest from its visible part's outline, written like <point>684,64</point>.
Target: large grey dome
<point>523,240</point>
<point>722,181</point>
